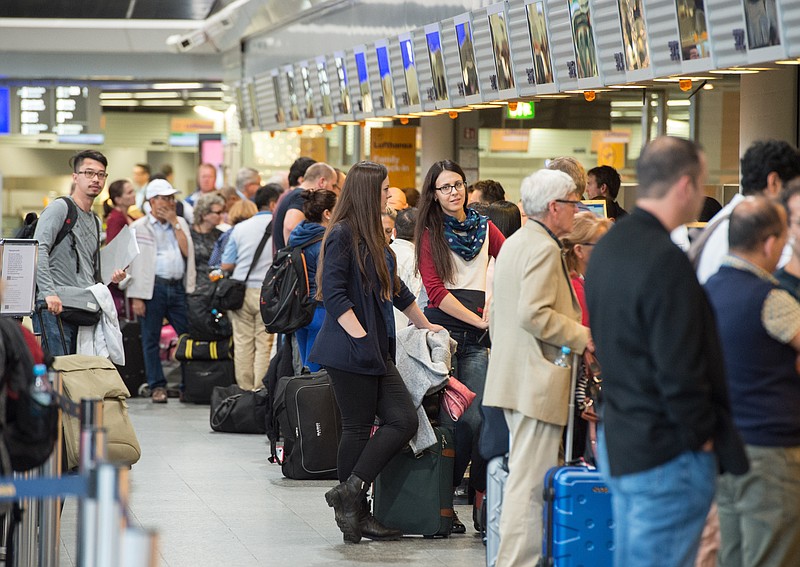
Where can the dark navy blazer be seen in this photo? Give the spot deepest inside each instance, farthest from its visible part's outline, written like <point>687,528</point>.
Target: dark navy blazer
<point>343,288</point>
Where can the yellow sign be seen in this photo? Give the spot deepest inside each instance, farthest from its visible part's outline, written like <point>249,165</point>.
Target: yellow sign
<point>315,148</point>
<point>612,154</point>
<point>396,148</point>
<point>509,140</point>
<point>194,125</point>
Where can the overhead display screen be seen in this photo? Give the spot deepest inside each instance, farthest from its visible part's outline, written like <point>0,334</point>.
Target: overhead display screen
<point>5,111</point>
<point>761,18</point>
<point>363,82</point>
<point>410,71</point>
<point>324,87</point>
<point>437,64</point>
<point>502,50</point>
<point>583,39</point>
<point>344,94</point>
<point>469,71</point>
<point>693,29</point>
<point>61,110</point>
<point>540,44</point>
<point>385,72</point>
<point>280,113</point>
<point>634,35</point>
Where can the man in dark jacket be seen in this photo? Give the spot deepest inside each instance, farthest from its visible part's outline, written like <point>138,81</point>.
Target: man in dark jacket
<point>665,405</point>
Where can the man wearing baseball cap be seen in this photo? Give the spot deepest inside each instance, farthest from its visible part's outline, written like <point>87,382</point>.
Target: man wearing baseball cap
<point>161,276</point>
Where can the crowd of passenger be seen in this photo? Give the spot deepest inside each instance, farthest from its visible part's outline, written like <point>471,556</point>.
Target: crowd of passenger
<point>697,331</point>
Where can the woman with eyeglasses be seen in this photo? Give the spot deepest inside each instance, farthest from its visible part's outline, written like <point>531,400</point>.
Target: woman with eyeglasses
<point>587,230</point>
<point>207,215</point>
<point>357,280</point>
<point>454,244</point>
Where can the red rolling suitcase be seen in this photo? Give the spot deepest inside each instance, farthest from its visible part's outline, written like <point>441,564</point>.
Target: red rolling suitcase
<point>578,526</point>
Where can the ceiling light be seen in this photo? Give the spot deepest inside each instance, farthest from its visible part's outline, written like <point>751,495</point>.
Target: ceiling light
<point>177,86</point>
<point>484,105</point>
<point>115,96</point>
<point>554,96</point>
<point>740,71</point>
<point>708,87</point>
<point>626,104</point>
<point>628,87</point>
<point>110,103</point>
<point>679,102</point>
<point>679,78</point>
<point>162,103</point>
<point>155,95</point>
<point>207,112</point>
<point>788,62</point>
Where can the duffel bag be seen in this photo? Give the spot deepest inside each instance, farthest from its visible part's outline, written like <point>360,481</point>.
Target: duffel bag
<point>234,410</point>
<point>193,349</point>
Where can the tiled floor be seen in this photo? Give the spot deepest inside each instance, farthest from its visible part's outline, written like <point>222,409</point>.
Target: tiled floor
<point>215,501</point>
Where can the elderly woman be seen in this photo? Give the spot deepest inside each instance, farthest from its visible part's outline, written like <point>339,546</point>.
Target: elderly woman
<point>207,215</point>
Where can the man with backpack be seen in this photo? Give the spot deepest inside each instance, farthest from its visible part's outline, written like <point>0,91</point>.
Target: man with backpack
<point>69,244</point>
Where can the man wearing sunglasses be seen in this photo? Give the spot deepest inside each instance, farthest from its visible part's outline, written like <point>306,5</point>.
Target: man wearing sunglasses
<point>69,266</point>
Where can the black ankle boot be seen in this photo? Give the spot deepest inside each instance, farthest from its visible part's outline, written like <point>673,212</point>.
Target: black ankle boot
<point>373,529</point>
<point>345,499</point>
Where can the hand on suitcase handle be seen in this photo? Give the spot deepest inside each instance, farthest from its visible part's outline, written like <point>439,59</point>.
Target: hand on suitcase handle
<point>53,304</point>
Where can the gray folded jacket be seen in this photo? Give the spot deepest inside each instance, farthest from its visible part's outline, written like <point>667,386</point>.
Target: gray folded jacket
<point>423,360</point>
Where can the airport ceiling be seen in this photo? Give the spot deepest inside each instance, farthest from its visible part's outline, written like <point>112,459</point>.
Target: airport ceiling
<point>112,9</point>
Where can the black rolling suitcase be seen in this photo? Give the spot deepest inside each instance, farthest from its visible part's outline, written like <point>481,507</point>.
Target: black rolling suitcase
<point>309,420</point>
<point>578,525</point>
<point>132,373</point>
<point>415,494</point>
<point>200,377</point>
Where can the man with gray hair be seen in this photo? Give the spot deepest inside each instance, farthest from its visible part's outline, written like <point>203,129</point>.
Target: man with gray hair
<point>574,169</point>
<point>248,181</point>
<point>667,426</point>
<point>534,311</point>
<point>290,209</point>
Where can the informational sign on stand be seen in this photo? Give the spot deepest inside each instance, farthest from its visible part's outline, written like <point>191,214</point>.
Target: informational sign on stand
<point>18,260</point>
<point>396,148</point>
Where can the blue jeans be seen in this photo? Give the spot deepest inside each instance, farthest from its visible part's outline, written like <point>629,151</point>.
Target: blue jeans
<point>307,335</point>
<point>659,513</point>
<point>469,365</point>
<point>51,336</point>
<point>169,300</point>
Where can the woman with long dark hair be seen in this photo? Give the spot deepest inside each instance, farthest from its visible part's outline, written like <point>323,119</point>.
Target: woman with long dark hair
<point>454,245</point>
<point>357,280</point>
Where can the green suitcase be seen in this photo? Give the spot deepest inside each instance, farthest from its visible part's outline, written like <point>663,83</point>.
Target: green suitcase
<point>415,494</point>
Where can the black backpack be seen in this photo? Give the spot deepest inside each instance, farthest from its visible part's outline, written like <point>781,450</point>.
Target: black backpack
<point>28,227</point>
<point>285,305</point>
<point>29,429</point>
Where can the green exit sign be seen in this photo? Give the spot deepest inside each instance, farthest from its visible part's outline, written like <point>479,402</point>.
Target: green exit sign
<point>524,111</point>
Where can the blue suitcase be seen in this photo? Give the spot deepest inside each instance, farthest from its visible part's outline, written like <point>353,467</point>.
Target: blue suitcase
<point>578,527</point>
<point>577,523</point>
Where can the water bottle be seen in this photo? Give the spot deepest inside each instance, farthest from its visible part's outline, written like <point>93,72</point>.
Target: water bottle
<point>563,358</point>
<point>40,391</point>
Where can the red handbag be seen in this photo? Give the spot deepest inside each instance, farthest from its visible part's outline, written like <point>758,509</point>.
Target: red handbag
<point>457,398</point>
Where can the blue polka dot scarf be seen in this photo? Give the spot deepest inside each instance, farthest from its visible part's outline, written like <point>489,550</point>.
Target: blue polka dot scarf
<point>466,238</point>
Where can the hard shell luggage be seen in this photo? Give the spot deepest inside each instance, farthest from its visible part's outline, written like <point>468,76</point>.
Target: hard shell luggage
<point>496,476</point>
<point>578,525</point>
<point>132,373</point>
<point>201,376</point>
<point>415,494</point>
<point>311,425</point>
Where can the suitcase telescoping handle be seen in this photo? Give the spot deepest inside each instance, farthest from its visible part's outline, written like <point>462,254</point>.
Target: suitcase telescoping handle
<point>573,384</point>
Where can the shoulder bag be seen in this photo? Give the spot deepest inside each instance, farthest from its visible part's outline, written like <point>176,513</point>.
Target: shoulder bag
<point>229,293</point>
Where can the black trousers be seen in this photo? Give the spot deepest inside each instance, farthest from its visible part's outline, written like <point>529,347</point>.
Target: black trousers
<point>360,398</point>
